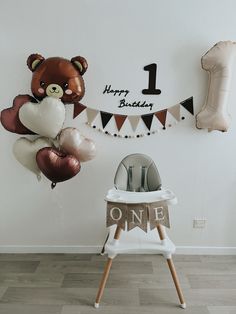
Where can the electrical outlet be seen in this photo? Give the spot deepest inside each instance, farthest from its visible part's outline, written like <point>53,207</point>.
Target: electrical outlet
<point>199,223</point>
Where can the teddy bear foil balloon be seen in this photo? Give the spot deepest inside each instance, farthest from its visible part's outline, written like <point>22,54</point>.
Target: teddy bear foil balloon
<point>57,152</point>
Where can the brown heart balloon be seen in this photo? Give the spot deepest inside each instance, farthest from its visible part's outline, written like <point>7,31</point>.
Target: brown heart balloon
<point>57,166</point>
<point>10,116</point>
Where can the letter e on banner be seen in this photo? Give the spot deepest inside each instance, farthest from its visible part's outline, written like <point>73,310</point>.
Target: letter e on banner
<point>158,214</point>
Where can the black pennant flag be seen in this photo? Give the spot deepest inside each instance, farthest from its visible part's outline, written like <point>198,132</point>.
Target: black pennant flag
<point>106,117</point>
<point>147,119</point>
<point>188,105</point>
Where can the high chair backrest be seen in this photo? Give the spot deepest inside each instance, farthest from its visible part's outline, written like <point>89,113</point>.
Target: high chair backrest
<point>137,173</point>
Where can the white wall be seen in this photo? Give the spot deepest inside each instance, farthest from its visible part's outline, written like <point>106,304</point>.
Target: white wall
<point>118,38</point>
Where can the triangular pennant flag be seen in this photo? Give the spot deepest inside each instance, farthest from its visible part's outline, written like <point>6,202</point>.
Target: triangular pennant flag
<point>91,114</point>
<point>106,117</point>
<point>120,119</point>
<point>161,116</point>
<point>188,105</point>
<point>78,108</point>
<point>175,111</point>
<point>134,120</point>
<point>147,119</point>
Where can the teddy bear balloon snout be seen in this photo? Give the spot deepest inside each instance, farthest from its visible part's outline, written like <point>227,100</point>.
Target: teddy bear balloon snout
<point>54,90</point>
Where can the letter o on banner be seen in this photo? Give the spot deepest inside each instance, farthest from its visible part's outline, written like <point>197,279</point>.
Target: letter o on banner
<point>117,213</point>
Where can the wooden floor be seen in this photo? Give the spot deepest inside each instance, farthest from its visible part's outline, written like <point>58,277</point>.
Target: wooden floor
<point>138,284</point>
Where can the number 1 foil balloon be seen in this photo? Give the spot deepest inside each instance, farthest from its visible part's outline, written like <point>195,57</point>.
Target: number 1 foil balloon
<point>218,62</point>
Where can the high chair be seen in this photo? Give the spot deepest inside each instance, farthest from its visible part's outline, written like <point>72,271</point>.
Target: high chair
<point>138,185</point>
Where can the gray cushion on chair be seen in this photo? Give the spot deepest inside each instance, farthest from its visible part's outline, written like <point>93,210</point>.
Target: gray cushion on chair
<point>137,173</point>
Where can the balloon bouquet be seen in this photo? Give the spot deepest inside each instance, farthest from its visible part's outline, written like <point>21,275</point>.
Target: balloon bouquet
<point>57,152</point>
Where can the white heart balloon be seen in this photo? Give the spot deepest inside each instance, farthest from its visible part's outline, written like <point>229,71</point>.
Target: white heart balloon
<point>74,143</point>
<point>25,152</point>
<point>45,118</point>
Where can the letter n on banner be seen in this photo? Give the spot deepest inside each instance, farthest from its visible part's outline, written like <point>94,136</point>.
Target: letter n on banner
<point>137,216</point>
<point>158,214</point>
<point>116,214</point>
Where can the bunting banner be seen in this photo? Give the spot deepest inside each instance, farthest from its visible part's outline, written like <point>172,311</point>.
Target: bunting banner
<point>160,118</point>
<point>129,216</point>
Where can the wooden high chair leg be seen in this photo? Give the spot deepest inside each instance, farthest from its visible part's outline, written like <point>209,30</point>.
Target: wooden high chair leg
<point>106,272</point>
<point>176,282</point>
<point>173,271</point>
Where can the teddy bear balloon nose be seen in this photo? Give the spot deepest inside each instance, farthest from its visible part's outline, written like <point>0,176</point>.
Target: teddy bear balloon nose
<point>54,90</point>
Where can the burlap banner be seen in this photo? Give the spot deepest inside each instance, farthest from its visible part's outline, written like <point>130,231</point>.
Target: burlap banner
<point>137,215</point>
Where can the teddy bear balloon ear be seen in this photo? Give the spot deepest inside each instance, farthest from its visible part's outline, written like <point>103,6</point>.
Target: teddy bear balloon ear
<point>80,63</point>
<point>34,60</point>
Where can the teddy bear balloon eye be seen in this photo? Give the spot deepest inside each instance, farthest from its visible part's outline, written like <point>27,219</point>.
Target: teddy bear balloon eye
<point>42,84</point>
<point>65,85</point>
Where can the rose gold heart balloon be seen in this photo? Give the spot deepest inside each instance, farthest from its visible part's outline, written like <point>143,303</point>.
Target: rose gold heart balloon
<point>57,166</point>
<point>86,150</point>
<point>10,116</point>
<point>73,142</point>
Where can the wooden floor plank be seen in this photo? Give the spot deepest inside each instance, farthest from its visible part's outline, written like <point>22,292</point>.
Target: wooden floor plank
<point>212,281</point>
<point>200,268</point>
<point>218,258</point>
<point>31,280</point>
<point>18,266</point>
<point>222,309</point>
<point>64,267</point>
<point>47,257</point>
<point>73,296</point>
<point>117,280</point>
<point>194,297</point>
<point>29,309</point>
